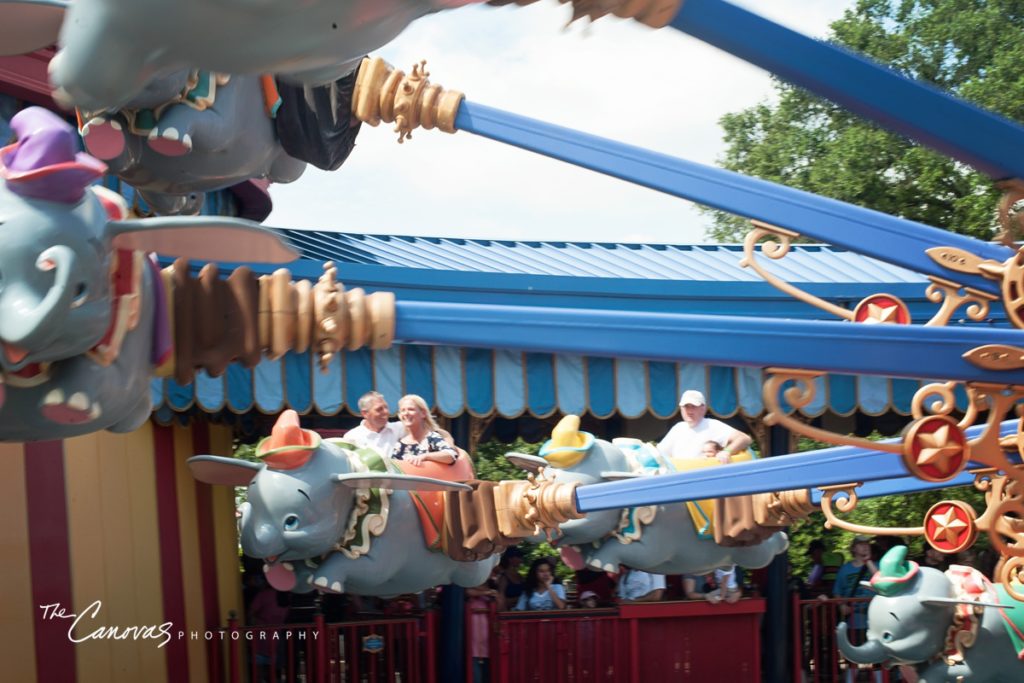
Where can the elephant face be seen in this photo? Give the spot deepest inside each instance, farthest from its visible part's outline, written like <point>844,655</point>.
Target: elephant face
<point>907,624</point>
<point>54,279</point>
<point>296,516</point>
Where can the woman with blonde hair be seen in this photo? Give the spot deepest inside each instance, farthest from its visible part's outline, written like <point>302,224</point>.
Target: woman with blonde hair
<point>422,440</point>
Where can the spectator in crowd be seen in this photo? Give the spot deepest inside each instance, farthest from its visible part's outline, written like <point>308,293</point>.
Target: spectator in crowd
<point>699,586</point>
<point>510,581</point>
<point>589,600</point>
<point>600,583</point>
<point>825,565</point>
<point>638,586</point>
<point>422,440</point>
<point>848,582</point>
<point>480,600</point>
<point>686,438</point>
<point>375,431</point>
<point>542,590</point>
<point>729,588</point>
<point>935,559</point>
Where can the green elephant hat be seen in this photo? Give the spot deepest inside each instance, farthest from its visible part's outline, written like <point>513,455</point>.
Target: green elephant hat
<point>894,573</point>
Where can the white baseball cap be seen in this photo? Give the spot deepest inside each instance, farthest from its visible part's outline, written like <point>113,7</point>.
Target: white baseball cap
<point>692,397</point>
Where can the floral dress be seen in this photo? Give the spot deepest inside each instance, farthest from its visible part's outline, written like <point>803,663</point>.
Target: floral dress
<point>434,442</point>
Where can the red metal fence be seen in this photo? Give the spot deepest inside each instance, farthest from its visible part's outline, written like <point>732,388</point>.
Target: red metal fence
<point>662,641</point>
<point>383,651</point>
<point>816,658</point>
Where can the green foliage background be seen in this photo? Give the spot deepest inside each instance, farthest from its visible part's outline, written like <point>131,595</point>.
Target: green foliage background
<point>971,48</point>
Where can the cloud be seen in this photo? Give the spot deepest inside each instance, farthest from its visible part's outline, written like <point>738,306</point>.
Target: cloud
<point>660,90</point>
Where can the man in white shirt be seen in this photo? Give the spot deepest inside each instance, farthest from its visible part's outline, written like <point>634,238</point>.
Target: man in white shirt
<point>375,431</point>
<point>685,439</point>
<point>638,586</point>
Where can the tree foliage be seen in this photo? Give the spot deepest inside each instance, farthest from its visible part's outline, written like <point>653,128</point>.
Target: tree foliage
<point>971,48</point>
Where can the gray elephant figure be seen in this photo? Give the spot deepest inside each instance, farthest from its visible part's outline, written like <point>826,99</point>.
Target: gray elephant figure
<point>661,539</point>
<point>83,320</point>
<point>190,133</point>
<point>327,516</point>
<point>110,49</point>
<point>951,626</point>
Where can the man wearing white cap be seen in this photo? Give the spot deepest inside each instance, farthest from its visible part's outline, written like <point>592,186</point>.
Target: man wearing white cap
<point>685,439</point>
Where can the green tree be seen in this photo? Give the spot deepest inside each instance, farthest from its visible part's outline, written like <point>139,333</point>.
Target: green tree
<point>971,48</point>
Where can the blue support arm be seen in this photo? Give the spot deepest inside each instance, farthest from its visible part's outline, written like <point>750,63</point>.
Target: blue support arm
<point>826,346</point>
<point>887,238</point>
<point>992,144</point>
<point>826,467</point>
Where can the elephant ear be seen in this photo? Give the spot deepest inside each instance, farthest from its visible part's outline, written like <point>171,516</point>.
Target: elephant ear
<point>397,482</point>
<point>618,476</point>
<point>211,238</point>
<point>28,25</point>
<point>213,469</point>
<point>530,463</point>
<point>938,602</point>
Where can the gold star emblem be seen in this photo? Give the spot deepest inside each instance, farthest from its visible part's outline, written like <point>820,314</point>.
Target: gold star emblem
<point>937,449</point>
<point>878,314</point>
<point>948,526</point>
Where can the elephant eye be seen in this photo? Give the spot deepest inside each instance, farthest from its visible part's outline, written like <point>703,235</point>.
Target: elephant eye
<point>81,294</point>
<point>887,636</point>
<point>291,523</point>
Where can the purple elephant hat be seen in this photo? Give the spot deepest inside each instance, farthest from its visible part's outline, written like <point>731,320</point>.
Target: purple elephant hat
<point>45,162</point>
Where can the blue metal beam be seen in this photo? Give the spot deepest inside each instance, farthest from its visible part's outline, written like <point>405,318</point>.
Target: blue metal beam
<point>826,467</point>
<point>992,144</point>
<point>889,350</point>
<point>884,237</point>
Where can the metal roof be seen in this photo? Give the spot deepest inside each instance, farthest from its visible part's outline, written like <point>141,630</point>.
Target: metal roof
<point>806,263</point>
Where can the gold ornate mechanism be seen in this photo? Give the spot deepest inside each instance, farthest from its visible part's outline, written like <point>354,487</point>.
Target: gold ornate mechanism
<point>800,394</point>
<point>383,93</point>
<point>244,317</point>
<point>881,307</point>
<point>537,505</point>
<point>933,447</point>
<point>653,13</point>
<point>844,499</point>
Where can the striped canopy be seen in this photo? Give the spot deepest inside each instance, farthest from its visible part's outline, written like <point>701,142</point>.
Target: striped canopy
<point>483,382</point>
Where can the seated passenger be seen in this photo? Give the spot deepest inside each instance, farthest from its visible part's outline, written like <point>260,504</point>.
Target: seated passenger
<point>422,440</point>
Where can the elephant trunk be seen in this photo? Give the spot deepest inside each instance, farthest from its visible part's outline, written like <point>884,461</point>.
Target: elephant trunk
<point>24,328</point>
<point>871,652</point>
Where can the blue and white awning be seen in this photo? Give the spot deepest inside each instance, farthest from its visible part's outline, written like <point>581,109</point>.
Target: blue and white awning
<point>485,382</point>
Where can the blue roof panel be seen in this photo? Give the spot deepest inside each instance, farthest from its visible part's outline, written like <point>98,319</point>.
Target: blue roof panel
<point>806,263</point>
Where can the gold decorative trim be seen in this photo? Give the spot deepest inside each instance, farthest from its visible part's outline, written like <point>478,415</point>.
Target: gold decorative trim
<point>800,395</point>
<point>952,296</point>
<point>996,357</point>
<point>537,505</point>
<point>958,260</point>
<point>383,93</point>
<point>935,448</point>
<point>777,245</point>
<point>782,508</point>
<point>847,503</point>
<point>951,526</point>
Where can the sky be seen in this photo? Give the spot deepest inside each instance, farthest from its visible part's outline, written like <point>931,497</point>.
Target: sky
<point>661,90</point>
